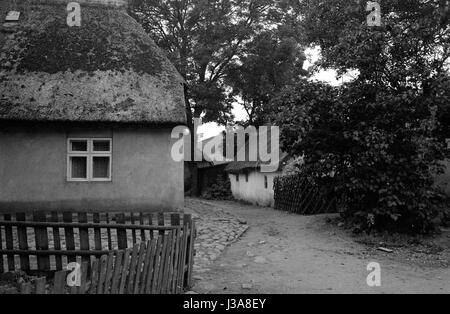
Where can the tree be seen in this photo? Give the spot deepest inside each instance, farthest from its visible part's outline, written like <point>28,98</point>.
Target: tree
<point>204,38</point>
<point>409,50</point>
<point>273,60</point>
<point>378,139</point>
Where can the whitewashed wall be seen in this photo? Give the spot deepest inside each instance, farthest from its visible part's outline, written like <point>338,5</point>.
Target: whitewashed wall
<point>254,190</point>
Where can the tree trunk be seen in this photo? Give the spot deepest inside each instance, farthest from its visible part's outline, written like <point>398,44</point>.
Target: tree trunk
<point>193,169</point>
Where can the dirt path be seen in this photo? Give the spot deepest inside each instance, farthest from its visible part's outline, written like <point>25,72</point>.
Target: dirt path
<point>283,253</point>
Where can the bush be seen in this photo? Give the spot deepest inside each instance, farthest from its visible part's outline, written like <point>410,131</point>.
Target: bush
<point>378,153</point>
<point>219,190</point>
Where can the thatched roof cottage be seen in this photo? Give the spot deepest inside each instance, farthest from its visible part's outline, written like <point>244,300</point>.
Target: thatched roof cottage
<point>86,112</point>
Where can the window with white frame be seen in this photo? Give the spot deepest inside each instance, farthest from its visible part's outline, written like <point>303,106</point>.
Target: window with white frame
<point>89,159</point>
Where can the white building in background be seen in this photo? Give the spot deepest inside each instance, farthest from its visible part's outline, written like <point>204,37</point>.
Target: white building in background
<point>249,183</point>
<point>252,185</point>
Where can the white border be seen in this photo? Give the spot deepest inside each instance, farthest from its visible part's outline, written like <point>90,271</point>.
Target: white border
<point>89,154</point>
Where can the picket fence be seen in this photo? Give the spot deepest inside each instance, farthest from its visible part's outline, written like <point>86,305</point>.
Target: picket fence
<point>296,194</point>
<point>119,253</point>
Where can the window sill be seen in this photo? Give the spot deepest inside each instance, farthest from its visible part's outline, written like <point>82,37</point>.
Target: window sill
<point>89,181</point>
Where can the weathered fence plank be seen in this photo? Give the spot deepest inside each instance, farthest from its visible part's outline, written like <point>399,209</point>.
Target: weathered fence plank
<point>97,232</point>
<point>9,243</point>
<point>160,265</point>
<point>84,236</point>
<point>190,262</point>
<point>2,268</point>
<point>296,194</point>
<point>163,262</point>
<point>102,274</point>
<point>169,272</point>
<point>122,238</point>
<point>142,222</point>
<point>109,273</point>
<point>95,274</point>
<point>175,221</point>
<point>148,268</point>
<point>57,241</point>
<point>132,272</point>
<point>157,264</point>
<point>183,253</point>
<point>41,236</point>
<point>118,271</point>
<point>23,243</point>
<point>108,231</point>
<point>137,280</point>
<point>85,266</point>
<point>69,236</point>
<point>59,282</point>
<point>133,232</point>
<point>150,222</point>
<point>125,272</point>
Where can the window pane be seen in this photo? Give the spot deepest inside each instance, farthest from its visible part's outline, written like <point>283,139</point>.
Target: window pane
<point>78,146</point>
<point>100,168</point>
<point>79,167</point>
<point>101,146</point>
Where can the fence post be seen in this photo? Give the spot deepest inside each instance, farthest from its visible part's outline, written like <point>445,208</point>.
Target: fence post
<point>68,232</point>
<point>59,282</point>
<point>84,236</point>
<point>175,221</point>
<point>41,241</point>
<point>23,243</point>
<point>189,226</point>
<point>122,241</point>
<point>9,243</point>
<point>57,241</point>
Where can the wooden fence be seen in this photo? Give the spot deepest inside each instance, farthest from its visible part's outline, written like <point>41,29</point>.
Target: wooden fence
<point>152,267</point>
<point>47,242</point>
<point>298,195</point>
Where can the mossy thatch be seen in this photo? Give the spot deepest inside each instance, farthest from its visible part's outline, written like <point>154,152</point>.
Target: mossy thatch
<point>107,70</point>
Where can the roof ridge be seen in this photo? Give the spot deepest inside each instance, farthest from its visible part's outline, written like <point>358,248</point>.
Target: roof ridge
<point>119,4</point>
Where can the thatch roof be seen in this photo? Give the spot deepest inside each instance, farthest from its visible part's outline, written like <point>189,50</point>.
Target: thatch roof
<point>107,70</point>
<point>237,167</point>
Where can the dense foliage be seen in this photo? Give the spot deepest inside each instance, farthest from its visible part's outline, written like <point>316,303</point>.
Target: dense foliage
<point>215,44</point>
<point>379,139</point>
<point>273,60</point>
<point>219,190</point>
<point>206,40</point>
